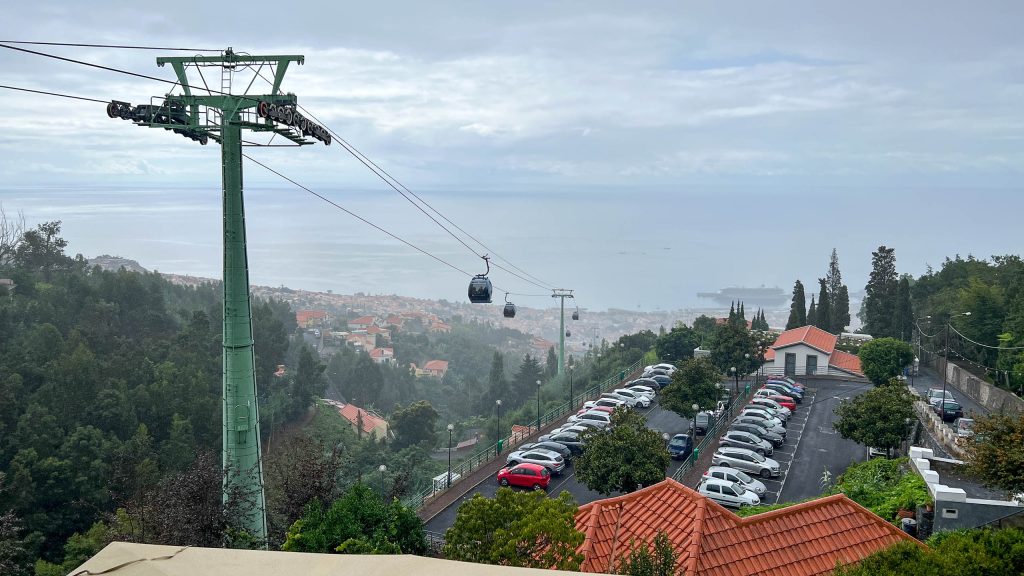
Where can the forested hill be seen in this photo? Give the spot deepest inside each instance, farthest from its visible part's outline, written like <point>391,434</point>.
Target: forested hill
<point>109,383</point>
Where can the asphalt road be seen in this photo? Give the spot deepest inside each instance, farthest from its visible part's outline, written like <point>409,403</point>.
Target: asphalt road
<point>928,378</point>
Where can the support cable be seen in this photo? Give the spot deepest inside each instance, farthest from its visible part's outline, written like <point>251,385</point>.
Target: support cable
<point>55,94</point>
<point>121,46</point>
<point>953,328</point>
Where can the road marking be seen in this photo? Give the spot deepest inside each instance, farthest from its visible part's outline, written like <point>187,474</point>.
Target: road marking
<point>564,480</point>
<point>786,476</point>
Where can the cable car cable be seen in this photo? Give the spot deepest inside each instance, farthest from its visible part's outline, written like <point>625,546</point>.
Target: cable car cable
<point>55,94</point>
<point>121,46</point>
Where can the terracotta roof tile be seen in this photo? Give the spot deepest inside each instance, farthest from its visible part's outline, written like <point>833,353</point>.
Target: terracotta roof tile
<point>801,540</point>
<point>846,362</point>
<point>810,335</point>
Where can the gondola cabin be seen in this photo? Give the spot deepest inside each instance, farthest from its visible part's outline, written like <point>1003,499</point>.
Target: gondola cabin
<point>576,315</point>
<point>510,310</point>
<point>480,289</point>
<point>568,333</point>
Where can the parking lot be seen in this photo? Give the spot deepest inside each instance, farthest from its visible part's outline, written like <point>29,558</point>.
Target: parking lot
<point>811,447</point>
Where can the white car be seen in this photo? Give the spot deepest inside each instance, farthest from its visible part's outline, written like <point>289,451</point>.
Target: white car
<point>935,393</point>
<point>664,366</point>
<point>768,412</point>
<point>771,404</point>
<point>738,476</point>
<point>762,415</point>
<point>602,419</point>
<point>645,390</point>
<point>641,399</point>
<point>607,402</point>
<point>727,493</point>
<point>631,401</point>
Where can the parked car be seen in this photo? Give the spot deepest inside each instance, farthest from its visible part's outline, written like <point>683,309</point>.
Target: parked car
<point>787,387</point>
<point>645,390</point>
<point>631,401</point>
<point>789,381</point>
<point>874,452</point>
<point>662,380</point>
<point>750,419</point>
<point>763,415</point>
<point>758,401</point>
<point>603,419</point>
<point>778,398</point>
<point>731,494</point>
<point>571,440</point>
<point>746,440</point>
<point>654,372</point>
<point>935,393</point>
<point>746,460</point>
<point>642,400</point>
<point>609,402</point>
<point>702,421</point>
<point>680,446</point>
<point>661,366</point>
<point>964,427</point>
<point>949,410</point>
<point>562,449</point>
<point>553,461</point>
<point>759,431</point>
<point>579,428</point>
<point>526,475</point>
<point>784,390</point>
<point>782,416</point>
<point>605,409</point>
<point>649,382</point>
<point>738,476</point>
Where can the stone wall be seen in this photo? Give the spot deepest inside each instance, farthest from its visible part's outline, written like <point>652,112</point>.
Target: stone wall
<point>992,398</point>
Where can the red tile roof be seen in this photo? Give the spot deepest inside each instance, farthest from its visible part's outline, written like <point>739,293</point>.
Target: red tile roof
<point>810,335</point>
<point>802,540</point>
<point>846,362</point>
<point>364,320</point>
<point>769,354</point>
<point>353,413</point>
<point>382,353</point>
<point>304,316</point>
<point>441,365</point>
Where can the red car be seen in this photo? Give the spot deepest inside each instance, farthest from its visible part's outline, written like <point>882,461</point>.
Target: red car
<point>780,399</point>
<point>607,409</point>
<point>526,475</point>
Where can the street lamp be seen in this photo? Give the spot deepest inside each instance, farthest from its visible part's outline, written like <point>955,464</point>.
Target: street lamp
<point>538,405</point>
<point>382,468</point>
<point>693,421</point>
<point>571,397</point>
<point>945,365</point>
<point>736,385</point>
<point>746,358</point>
<point>450,428</point>
<point>498,404</point>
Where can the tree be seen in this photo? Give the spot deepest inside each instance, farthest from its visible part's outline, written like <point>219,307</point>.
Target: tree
<point>357,523</point>
<point>526,378</point>
<point>516,528</point>
<point>812,312</point>
<point>950,553</point>
<point>734,345</point>
<point>705,328</point>
<point>880,417</point>
<point>997,455</point>
<point>414,424</point>
<point>16,552</point>
<point>839,305</point>
<point>299,471</point>
<point>658,559</point>
<point>879,307</point>
<point>824,320</point>
<point>677,344</point>
<point>551,364</point>
<point>904,321</point>
<point>497,384</point>
<point>798,308</point>
<point>364,382</point>
<point>695,382</point>
<point>882,359</point>
<point>624,457</point>
<point>841,311</point>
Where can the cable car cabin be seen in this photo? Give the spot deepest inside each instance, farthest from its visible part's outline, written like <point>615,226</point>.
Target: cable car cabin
<point>576,315</point>
<point>480,290</point>
<point>510,310</point>
<point>568,333</point>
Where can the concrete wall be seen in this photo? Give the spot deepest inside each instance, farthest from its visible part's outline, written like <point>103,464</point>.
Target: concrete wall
<point>953,509</point>
<point>993,398</point>
<point>802,351</point>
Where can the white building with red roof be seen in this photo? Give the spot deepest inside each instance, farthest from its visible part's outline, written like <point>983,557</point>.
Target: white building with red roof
<point>809,350</point>
<point>382,355</point>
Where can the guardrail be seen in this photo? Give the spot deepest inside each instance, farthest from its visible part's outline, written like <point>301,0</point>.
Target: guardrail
<point>712,433</point>
<point>486,455</point>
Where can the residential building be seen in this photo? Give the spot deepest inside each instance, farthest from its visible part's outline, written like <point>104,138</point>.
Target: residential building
<point>382,355</point>
<point>363,421</point>
<point>809,350</point>
<point>806,539</point>
<point>382,332</point>
<point>312,318</point>
<point>361,323</point>
<point>432,369</point>
<point>438,326</point>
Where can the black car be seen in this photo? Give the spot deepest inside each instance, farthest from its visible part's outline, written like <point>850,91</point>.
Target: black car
<point>760,432</point>
<point>950,410</point>
<point>662,381</point>
<point>570,440</point>
<point>562,449</point>
<point>785,391</point>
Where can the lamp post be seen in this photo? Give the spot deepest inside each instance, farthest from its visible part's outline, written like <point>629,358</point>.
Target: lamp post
<point>449,483</point>
<point>736,385</point>
<point>538,405</point>
<point>382,469</point>
<point>746,358</point>
<point>571,397</point>
<point>945,365</point>
<point>498,404</point>
<point>693,430</point>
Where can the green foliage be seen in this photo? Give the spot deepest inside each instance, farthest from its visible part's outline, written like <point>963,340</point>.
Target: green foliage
<point>883,486</point>
<point>880,417</point>
<point>705,327</point>
<point>824,315</point>
<point>16,551</point>
<point>623,458</point>
<point>516,528</point>
<point>695,382</point>
<point>882,359</point>
<point>812,312</point>
<point>357,523</point>
<point>414,424</point>
<point>658,559</point>
<point>551,364</point>
<point>752,510</point>
<point>797,308</point>
<point>904,323</point>
<point>734,346</point>
<point>677,344</point>
<point>997,454</point>
<point>980,552</point>
<point>879,307</point>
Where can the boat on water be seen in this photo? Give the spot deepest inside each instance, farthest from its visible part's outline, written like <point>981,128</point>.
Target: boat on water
<point>763,297</point>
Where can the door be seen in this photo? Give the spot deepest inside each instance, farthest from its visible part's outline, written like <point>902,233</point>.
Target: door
<point>790,364</point>
<point>812,364</point>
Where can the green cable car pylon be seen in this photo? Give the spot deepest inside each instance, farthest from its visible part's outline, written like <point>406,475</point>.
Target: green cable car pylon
<point>221,116</point>
<point>563,294</point>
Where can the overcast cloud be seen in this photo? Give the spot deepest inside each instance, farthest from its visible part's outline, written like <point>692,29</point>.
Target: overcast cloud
<point>749,102</point>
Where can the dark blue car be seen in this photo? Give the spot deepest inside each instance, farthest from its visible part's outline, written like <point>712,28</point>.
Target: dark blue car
<point>680,446</point>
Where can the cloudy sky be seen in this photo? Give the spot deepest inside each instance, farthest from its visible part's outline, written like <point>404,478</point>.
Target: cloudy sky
<point>742,140</point>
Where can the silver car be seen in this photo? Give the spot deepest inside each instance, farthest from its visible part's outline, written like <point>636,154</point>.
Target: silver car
<point>551,460</point>
<point>746,460</point>
<point>738,476</point>
<point>759,413</point>
<point>751,419</point>
<point>748,441</point>
<point>769,403</point>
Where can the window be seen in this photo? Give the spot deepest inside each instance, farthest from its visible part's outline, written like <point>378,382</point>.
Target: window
<point>812,364</point>
<point>790,363</point>
<point>716,474</point>
<point>713,488</point>
<point>522,471</point>
<point>950,512</point>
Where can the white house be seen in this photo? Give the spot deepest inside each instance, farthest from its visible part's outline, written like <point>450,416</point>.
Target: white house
<point>809,350</point>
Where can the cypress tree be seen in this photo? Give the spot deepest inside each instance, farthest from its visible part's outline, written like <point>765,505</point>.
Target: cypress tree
<point>824,307</point>
<point>812,313</point>
<point>798,308</point>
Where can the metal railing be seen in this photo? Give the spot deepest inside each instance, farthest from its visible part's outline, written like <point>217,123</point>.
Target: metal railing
<point>486,455</point>
<point>711,434</point>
